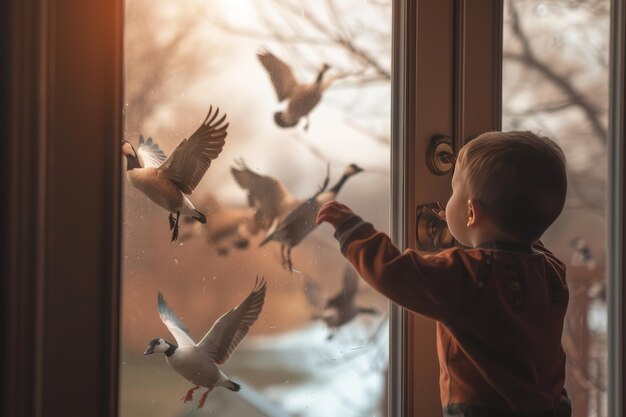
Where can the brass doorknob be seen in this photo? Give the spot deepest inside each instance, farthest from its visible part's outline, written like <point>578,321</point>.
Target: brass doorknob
<point>440,155</point>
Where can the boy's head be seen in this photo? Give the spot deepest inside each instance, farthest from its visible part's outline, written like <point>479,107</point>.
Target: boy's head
<point>506,185</point>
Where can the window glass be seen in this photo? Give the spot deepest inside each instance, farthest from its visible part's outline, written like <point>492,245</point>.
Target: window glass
<point>555,81</point>
<point>298,358</point>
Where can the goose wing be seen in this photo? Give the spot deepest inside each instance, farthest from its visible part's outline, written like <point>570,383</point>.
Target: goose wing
<point>151,155</point>
<point>264,192</point>
<point>173,323</point>
<point>348,290</point>
<point>220,342</point>
<point>280,74</point>
<point>296,225</point>
<point>192,157</point>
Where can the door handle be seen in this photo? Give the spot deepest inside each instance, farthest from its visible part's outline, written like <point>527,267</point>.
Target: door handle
<point>432,233</point>
<point>440,156</point>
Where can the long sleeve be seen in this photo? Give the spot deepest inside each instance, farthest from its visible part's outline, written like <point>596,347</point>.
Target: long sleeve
<point>500,315</point>
<point>432,285</point>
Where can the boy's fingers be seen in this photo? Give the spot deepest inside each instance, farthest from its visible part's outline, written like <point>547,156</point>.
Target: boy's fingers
<point>332,212</point>
<point>325,208</point>
<point>322,214</point>
<point>329,216</point>
<point>328,205</point>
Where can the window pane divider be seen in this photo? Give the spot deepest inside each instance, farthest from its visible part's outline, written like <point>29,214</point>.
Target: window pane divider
<point>617,228</point>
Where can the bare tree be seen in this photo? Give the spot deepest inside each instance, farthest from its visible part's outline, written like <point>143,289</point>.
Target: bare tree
<point>157,62</point>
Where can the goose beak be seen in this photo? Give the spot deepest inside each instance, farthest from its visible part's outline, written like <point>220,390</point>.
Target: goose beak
<point>149,351</point>
<point>356,168</point>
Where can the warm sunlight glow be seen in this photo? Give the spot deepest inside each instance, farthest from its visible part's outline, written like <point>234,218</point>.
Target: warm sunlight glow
<point>239,12</point>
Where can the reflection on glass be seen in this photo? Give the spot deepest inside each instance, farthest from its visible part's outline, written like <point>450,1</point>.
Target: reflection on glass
<point>306,90</point>
<point>555,80</point>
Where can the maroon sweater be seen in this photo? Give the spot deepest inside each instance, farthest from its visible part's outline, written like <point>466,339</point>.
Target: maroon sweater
<point>499,312</point>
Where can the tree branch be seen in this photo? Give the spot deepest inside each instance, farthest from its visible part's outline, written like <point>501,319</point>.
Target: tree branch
<point>529,58</point>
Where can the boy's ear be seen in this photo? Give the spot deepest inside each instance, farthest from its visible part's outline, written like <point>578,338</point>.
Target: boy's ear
<point>475,212</point>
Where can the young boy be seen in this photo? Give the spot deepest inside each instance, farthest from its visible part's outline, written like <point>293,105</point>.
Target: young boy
<point>500,299</point>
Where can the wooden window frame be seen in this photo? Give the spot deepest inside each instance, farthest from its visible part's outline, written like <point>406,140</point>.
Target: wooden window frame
<point>616,253</point>
<point>61,107</point>
<point>61,83</point>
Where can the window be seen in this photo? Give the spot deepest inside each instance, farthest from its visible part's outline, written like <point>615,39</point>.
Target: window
<point>62,104</point>
<point>181,60</point>
<point>556,81</point>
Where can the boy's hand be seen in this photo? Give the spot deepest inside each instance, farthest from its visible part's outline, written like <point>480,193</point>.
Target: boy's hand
<point>334,213</point>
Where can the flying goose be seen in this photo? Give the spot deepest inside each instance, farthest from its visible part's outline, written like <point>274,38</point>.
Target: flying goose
<point>341,308</point>
<point>166,180</point>
<point>197,362</point>
<point>268,196</point>
<point>291,230</point>
<point>302,98</point>
<point>225,227</point>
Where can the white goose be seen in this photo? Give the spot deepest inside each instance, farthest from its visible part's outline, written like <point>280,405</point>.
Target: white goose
<point>166,180</point>
<point>197,362</point>
<point>297,225</point>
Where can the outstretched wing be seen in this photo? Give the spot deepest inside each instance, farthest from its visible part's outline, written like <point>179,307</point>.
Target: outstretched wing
<point>264,193</point>
<point>192,157</point>
<point>174,324</point>
<point>151,155</point>
<point>280,74</point>
<point>220,342</point>
<point>348,290</point>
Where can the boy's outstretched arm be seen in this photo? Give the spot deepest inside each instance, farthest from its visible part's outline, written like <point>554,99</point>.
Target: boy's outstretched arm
<point>432,285</point>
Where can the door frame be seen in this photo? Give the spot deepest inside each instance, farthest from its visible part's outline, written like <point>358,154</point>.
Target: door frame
<point>61,103</point>
<point>617,213</point>
<point>460,96</point>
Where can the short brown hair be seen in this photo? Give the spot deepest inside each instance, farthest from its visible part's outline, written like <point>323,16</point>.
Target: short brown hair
<point>520,179</point>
